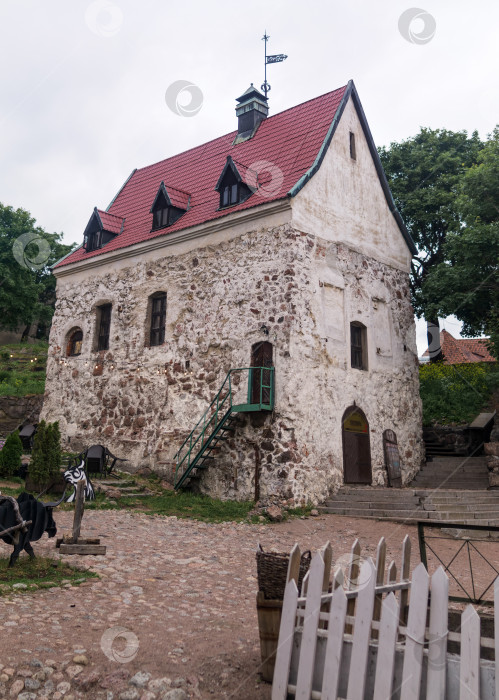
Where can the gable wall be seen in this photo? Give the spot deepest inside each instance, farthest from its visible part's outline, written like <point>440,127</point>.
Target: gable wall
<point>344,201</point>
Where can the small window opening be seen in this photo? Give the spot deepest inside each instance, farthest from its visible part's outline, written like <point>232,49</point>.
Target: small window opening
<point>73,348</point>
<point>158,319</point>
<point>163,212</point>
<point>358,345</point>
<point>104,326</point>
<point>353,154</point>
<point>230,186</point>
<point>93,241</point>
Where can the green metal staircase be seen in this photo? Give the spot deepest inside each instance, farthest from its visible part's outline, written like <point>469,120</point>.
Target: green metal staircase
<point>218,421</point>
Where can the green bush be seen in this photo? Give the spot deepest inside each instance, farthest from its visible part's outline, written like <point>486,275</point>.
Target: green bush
<point>455,393</point>
<point>10,456</point>
<point>53,441</point>
<point>38,471</point>
<point>46,455</point>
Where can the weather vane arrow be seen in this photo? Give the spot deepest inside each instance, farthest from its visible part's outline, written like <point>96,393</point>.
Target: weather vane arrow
<point>275,58</point>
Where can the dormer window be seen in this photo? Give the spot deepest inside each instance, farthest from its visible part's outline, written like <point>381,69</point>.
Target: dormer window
<point>93,241</point>
<point>101,228</point>
<point>230,186</point>
<point>229,195</point>
<point>168,206</point>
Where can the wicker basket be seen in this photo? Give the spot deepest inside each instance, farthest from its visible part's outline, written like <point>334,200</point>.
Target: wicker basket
<point>272,569</point>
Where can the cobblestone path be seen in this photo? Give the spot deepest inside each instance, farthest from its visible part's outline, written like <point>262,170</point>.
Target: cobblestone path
<point>183,594</point>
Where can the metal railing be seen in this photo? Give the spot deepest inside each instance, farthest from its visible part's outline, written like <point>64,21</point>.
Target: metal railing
<point>220,409</point>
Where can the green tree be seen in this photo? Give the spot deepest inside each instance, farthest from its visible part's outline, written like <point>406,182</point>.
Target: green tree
<point>466,283</point>
<point>10,456</point>
<point>424,173</point>
<point>27,287</point>
<point>38,467</point>
<point>53,442</point>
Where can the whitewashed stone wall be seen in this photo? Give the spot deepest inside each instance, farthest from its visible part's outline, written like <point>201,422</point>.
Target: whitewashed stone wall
<point>306,291</point>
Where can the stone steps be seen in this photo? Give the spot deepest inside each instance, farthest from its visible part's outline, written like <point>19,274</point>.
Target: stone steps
<point>453,489</point>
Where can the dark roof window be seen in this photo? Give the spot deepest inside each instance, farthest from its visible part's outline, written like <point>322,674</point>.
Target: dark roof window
<point>168,206</point>
<point>101,228</point>
<point>231,186</point>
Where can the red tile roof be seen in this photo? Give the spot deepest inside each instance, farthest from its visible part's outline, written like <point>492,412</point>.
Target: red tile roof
<point>282,151</point>
<point>463,350</point>
<point>110,222</point>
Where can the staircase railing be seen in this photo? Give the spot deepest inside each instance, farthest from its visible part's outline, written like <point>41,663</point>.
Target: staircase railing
<point>220,409</point>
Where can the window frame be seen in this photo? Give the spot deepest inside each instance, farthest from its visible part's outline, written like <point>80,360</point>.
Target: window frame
<point>72,341</point>
<point>160,315</point>
<point>353,150</point>
<point>103,326</point>
<point>94,241</point>
<point>358,346</point>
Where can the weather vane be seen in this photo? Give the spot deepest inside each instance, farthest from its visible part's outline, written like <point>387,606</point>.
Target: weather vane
<point>276,58</point>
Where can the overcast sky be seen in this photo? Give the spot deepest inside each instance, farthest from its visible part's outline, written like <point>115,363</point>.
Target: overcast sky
<point>83,83</point>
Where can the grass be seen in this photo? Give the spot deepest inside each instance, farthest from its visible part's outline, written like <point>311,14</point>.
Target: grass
<point>42,572</point>
<point>188,505</point>
<point>455,394</point>
<point>23,368</point>
<point>182,504</point>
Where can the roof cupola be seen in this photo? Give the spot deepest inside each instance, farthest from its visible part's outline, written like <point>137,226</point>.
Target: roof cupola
<point>252,109</point>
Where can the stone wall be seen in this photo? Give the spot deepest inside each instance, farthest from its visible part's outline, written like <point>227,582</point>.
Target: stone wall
<point>143,401</point>
<point>17,410</point>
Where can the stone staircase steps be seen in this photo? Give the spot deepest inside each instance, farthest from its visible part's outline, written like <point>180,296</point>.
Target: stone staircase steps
<point>450,489</point>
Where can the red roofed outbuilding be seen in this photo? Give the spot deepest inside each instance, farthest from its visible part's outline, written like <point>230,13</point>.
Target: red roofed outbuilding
<point>463,350</point>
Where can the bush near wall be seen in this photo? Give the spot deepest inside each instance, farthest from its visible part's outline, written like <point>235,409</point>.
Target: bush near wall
<point>46,454</point>
<point>455,394</point>
<point>10,456</point>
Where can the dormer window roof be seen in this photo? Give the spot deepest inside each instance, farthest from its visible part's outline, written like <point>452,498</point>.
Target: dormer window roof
<point>168,206</point>
<point>231,185</point>
<point>101,228</point>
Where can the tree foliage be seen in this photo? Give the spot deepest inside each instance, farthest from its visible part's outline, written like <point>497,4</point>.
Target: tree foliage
<point>46,454</point>
<point>466,283</point>
<point>10,456</point>
<point>27,287</point>
<point>424,173</point>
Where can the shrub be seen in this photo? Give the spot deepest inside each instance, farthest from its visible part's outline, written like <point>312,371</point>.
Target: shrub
<point>46,455</point>
<point>38,468</point>
<point>10,456</point>
<point>53,442</point>
<point>454,393</point>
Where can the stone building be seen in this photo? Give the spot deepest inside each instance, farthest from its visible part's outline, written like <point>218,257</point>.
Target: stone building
<point>277,246</point>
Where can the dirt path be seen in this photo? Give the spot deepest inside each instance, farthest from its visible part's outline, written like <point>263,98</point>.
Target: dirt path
<point>185,593</point>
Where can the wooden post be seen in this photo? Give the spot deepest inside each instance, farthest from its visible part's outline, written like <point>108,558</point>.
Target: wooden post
<point>79,508</point>
<point>75,544</point>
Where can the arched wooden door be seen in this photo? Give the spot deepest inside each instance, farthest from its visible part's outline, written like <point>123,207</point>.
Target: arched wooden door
<point>261,356</point>
<point>356,447</point>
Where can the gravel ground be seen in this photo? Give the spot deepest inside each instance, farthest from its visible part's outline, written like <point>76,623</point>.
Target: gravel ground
<point>173,615</point>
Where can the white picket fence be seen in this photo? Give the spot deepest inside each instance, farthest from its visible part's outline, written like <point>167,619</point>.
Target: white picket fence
<point>361,641</point>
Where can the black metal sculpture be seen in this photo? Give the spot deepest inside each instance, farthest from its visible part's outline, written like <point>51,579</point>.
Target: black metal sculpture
<point>24,521</point>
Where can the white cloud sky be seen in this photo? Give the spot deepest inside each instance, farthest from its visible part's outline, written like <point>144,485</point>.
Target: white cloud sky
<point>83,85</point>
